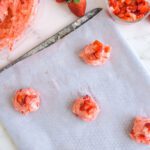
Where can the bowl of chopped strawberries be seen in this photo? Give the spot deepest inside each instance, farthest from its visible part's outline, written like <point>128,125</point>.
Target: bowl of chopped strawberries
<point>129,10</point>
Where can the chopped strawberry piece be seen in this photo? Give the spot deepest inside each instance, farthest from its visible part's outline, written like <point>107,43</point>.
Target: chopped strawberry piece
<point>60,1</point>
<point>107,49</point>
<point>117,11</point>
<point>97,45</point>
<point>143,8</point>
<point>140,1</point>
<point>128,2</point>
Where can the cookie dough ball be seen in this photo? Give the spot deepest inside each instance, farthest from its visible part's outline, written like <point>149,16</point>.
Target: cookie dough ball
<point>26,100</point>
<point>141,130</point>
<point>86,108</point>
<point>95,53</point>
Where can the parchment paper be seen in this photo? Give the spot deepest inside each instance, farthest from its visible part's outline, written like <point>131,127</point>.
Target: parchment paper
<point>121,87</point>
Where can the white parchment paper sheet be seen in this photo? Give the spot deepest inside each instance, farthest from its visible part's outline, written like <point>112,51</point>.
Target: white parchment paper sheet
<point>121,87</point>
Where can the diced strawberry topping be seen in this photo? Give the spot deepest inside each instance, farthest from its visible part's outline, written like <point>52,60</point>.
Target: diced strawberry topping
<point>96,53</point>
<point>129,10</point>
<point>86,108</point>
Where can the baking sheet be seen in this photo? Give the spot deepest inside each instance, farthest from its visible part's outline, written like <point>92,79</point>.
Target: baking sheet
<point>121,87</point>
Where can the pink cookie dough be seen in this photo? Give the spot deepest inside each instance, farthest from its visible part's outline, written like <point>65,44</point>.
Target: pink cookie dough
<point>86,108</point>
<point>141,130</point>
<point>15,16</point>
<point>26,100</point>
<point>95,53</point>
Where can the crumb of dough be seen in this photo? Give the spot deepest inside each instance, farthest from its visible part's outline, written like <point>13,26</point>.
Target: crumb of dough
<point>26,100</point>
<point>95,53</point>
<point>141,130</point>
<point>86,108</point>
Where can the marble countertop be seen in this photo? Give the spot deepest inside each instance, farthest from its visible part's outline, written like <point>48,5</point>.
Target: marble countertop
<point>137,35</point>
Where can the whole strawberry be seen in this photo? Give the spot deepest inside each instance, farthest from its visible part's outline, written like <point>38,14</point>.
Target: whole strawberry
<point>77,7</point>
<point>60,1</point>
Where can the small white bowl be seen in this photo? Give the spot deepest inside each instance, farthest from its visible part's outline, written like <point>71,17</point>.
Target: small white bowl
<point>116,18</point>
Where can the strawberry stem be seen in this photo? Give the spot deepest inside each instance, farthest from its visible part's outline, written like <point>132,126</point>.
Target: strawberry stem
<point>75,1</point>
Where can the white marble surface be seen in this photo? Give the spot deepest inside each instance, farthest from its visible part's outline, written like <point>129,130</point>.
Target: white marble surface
<point>138,37</point>
<point>50,19</point>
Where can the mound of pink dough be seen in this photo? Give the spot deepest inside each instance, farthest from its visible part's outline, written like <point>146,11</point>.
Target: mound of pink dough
<point>141,130</point>
<point>95,53</point>
<point>26,100</point>
<point>86,108</point>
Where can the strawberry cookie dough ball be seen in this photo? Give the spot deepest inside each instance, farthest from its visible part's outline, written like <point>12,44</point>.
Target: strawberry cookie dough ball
<point>95,53</point>
<point>86,108</point>
<point>26,100</point>
<point>141,130</point>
